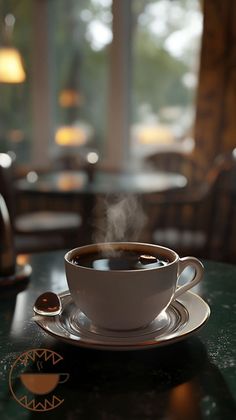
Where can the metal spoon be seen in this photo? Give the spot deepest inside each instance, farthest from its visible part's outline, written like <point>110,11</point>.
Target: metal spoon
<point>48,304</point>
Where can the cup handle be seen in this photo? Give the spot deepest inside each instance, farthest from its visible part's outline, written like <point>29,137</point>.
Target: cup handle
<point>198,276</point>
<point>66,377</point>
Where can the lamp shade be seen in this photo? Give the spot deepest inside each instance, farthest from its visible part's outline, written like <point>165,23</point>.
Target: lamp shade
<point>11,68</point>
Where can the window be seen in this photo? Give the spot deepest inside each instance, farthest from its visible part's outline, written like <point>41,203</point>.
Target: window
<point>81,35</point>
<point>166,44</point>
<point>71,97</point>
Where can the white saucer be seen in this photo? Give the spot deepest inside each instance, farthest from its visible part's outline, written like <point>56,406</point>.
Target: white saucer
<point>181,319</point>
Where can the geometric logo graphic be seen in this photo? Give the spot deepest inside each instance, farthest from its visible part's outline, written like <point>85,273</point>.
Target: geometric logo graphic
<point>35,379</point>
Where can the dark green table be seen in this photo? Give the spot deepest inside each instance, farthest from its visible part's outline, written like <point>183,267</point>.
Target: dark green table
<point>192,379</point>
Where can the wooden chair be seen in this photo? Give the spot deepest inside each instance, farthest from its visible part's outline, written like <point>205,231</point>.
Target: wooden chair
<point>197,220</point>
<point>223,241</point>
<point>177,162</point>
<point>37,230</point>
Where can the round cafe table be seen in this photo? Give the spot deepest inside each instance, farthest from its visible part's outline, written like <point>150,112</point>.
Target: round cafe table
<point>101,182</point>
<point>91,184</point>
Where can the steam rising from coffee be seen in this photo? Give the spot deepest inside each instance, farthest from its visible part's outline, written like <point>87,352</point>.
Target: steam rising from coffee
<point>123,219</point>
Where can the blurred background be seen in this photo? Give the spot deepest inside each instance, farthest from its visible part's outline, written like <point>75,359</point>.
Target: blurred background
<point>66,49</point>
<point>122,86</point>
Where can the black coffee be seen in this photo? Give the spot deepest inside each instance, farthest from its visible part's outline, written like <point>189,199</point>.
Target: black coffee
<point>121,260</point>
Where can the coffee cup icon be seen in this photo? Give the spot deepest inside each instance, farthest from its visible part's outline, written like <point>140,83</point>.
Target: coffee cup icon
<point>43,383</point>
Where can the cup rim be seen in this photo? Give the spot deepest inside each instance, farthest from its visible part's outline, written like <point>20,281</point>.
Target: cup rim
<point>97,246</point>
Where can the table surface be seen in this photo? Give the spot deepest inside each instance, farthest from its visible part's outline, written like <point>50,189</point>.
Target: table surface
<point>101,182</point>
<point>192,379</point>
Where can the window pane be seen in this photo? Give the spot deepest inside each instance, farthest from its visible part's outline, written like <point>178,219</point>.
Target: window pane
<point>166,44</point>
<point>72,83</point>
<point>15,103</point>
<point>80,37</point>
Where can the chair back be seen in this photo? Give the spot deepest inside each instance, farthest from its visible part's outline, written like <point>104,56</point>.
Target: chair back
<point>177,162</point>
<point>6,183</point>
<point>223,224</point>
<point>201,218</point>
<point>7,252</point>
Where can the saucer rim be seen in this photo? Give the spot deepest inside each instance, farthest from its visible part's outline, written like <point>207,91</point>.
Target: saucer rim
<point>188,329</point>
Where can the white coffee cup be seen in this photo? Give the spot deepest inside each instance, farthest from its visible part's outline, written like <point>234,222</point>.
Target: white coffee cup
<point>128,299</point>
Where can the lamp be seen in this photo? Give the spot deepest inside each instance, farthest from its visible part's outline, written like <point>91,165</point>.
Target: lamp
<point>11,67</point>
<point>70,98</point>
<point>73,135</point>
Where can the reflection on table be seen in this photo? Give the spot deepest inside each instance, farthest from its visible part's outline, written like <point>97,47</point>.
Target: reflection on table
<point>192,379</point>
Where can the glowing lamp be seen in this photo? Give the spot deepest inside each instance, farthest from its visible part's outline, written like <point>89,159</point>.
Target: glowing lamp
<point>71,136</point>
<point>11,68</point>
<point>154,134</point>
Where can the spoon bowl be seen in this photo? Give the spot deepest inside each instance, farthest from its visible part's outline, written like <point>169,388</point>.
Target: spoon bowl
<point>48,304</point>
